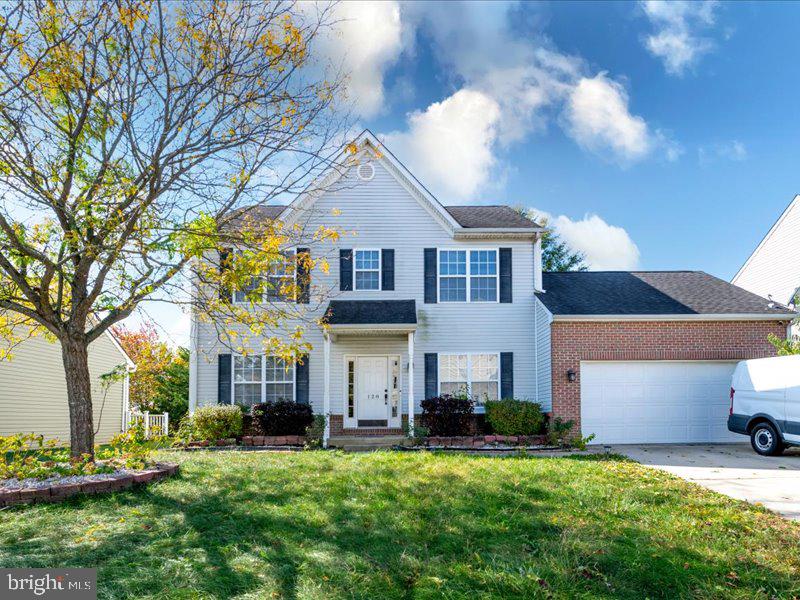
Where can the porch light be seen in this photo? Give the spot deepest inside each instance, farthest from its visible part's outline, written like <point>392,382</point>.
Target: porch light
<point>572,376</point>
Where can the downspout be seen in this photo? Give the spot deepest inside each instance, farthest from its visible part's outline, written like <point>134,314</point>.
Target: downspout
<point>194,335</point>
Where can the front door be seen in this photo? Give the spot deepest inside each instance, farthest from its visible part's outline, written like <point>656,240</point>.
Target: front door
<point>372,391</point>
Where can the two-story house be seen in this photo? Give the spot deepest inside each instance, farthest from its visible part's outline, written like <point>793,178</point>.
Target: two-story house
<point>424,299</point>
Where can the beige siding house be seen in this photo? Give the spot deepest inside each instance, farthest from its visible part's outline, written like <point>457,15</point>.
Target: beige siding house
<point>33,393</point>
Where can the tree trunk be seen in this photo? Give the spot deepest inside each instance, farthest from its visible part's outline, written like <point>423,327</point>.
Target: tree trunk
<point>75,354</point>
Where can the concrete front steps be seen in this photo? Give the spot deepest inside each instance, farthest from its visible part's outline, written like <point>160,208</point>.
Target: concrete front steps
<point>365,443</point>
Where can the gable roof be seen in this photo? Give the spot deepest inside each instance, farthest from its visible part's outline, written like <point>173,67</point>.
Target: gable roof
<point>367,142</point>
<point>774,266</point>
<point>655,293</point>
<point>483,216</point>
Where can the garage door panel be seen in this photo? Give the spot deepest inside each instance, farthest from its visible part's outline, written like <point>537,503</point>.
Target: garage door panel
<point>656,402</point>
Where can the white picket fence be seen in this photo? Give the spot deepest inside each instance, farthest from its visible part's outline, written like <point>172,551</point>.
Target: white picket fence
<point>154,424</point>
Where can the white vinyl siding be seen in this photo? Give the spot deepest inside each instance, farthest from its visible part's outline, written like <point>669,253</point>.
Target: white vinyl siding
<point>381,213</point>
<point>544,379</point>
<point>774,267</point>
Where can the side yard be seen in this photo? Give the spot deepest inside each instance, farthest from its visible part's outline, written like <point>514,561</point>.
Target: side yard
<point>395,525</point>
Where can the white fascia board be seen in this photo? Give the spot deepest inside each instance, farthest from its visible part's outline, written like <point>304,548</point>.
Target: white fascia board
<point>404,327</point>
<point>704,317</point>
<point>766,238</point>
<point>514,233</point>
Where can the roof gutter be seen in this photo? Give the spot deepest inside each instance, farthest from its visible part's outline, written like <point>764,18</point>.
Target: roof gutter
<point>520,233</point>
<point>684,317</point>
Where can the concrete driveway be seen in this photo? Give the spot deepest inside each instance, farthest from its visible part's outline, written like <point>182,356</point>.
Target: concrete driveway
<point>731,469</point>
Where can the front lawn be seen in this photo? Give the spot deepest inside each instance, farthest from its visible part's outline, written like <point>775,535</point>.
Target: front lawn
<point>393,525</point>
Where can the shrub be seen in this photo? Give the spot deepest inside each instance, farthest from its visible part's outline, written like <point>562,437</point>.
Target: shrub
<point>283,417</point>
<point>212,423</point>
<point>515,417</point>
<point>447,415</point>
<point>315,432</point>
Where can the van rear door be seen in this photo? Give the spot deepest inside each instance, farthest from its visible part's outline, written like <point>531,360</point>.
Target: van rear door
<point>791,429</point>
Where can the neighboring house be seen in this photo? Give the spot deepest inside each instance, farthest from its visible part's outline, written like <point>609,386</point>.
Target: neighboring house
<point>428,299</point>
<point>33,392</point>
<point>773,269</point>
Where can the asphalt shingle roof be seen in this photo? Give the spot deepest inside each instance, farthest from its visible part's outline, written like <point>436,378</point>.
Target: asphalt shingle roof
<point>649,293</point>
<point>372,312</point>
<point>489,216</point>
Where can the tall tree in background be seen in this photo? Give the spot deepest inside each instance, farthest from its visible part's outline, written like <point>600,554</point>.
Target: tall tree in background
<point>556,253</point>
<point>160,382</point>
<point>131,136</point>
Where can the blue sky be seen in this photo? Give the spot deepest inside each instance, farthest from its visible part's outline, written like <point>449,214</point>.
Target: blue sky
<point>655,136</point>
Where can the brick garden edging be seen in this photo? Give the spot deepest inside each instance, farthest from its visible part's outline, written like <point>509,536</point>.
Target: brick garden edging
<point>479,441</point>
<point>60,492</point>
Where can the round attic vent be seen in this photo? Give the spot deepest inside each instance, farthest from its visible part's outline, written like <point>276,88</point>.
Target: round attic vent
<point>366,171</point>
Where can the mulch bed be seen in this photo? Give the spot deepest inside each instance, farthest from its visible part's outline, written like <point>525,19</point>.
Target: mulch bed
<point>58,492</point>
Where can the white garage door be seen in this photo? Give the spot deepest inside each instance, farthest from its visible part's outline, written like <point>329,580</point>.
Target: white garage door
<point>656,402</point>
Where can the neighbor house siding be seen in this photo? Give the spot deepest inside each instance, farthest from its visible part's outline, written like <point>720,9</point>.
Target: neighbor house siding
<point>381,213</point>
<point>33,392</point>
<point>573,342</point>
<point>774,267</point>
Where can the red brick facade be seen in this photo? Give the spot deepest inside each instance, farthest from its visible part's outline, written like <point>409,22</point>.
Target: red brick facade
<point>573,342</point>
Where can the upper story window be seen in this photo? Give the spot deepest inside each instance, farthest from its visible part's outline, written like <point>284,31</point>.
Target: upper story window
<point>367,271</point>
<point>468,275</point>
<point>274,286</point>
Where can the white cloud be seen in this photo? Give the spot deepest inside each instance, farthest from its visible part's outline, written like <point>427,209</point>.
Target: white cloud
<point>527,82</point>
<point>676,40</point>
<point>449,145</point>
<point>598,118</point>
<point>606,247</point>
<point>734,151</point>
<point>365,40</point>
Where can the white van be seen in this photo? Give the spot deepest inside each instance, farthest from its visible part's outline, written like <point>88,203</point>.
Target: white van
<point>765,403</point>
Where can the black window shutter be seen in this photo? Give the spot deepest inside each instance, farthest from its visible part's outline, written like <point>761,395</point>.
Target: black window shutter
<point>506,375</point>
<point>431,375</point>
<point>224,395</point>
<point>301,380</point>
<point>430,276</point>
<point>505,274</point>
<point>387,269</point>
<point>224,264</point>
<point>303,276</point>
<point>346,270</point>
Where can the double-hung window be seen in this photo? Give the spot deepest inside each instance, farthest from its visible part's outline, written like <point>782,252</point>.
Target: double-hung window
<point>247,377</point>
<point>367,271</point>
<point>477,375</point>
<point>468,275</point>
<point>276,284</point>
<point>258,379</point>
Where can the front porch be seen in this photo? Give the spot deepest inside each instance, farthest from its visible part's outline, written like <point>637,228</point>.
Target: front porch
<point>368,368</point>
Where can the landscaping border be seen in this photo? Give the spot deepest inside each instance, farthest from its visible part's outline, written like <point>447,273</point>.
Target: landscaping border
<point>60,492</point>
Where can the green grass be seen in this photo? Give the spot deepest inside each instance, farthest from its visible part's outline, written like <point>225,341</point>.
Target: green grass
<point>393,525</point>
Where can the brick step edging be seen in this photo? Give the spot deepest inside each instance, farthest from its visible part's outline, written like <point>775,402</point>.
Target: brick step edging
<point>60,492</point>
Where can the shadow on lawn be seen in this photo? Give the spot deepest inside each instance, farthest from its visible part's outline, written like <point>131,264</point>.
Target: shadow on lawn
<point>375,534</point>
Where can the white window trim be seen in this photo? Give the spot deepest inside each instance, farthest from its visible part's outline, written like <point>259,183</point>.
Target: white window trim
<point>469,356</point>
<point>380,269</point>
<point>469,276</point>
<point>290,252</point>
<point>263,381</point>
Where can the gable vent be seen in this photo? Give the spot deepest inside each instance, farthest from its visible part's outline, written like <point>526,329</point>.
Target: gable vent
<point>366,171</point>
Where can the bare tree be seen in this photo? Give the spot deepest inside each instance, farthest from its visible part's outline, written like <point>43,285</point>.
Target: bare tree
<point>132,134</point>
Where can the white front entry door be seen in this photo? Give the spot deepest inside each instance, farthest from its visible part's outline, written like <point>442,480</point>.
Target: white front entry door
<point>653,402</point>
<point>372,388</point>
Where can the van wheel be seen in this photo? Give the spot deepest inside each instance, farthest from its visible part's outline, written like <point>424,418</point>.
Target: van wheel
<point>765,440</point>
